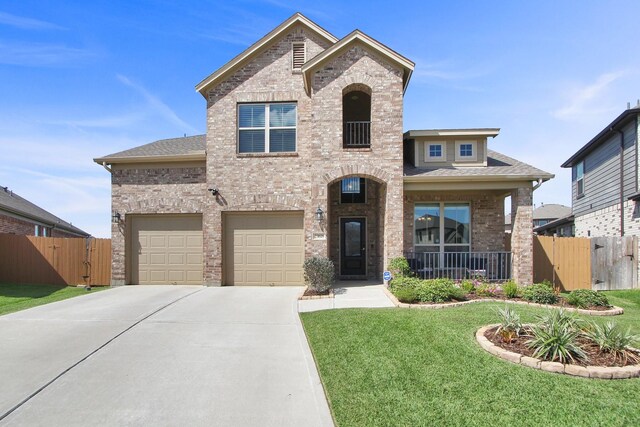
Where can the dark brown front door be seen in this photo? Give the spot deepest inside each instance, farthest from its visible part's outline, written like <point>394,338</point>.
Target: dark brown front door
<point>353,257</point>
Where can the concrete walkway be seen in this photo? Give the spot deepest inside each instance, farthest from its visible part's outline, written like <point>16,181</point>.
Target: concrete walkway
<point>350,294</point>
<point>161,356</point>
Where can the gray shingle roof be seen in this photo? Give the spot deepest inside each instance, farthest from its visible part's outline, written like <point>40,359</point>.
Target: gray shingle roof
<point>498,165</point>
<point>550,211</point>
<point>16,205</point>
<point>189,145</point>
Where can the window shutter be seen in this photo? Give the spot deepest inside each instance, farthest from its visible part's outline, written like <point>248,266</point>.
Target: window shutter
<point>298,55</point>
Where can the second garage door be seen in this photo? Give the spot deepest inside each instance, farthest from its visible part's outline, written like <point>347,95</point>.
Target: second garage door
<point>166,249</point>
<point>263,249</point>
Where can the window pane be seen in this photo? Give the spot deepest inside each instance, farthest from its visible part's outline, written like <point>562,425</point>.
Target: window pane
<point>466,150</point>
<point>352,190</point>
<point>580,170</point>
<point>282,140</point>
<point>427,224</point>
<point>351,185</point>
<point>435,151</point>
<point>251,116</point>
<point>456,223</point>
<point>251,141</point>
<point>282,115</point>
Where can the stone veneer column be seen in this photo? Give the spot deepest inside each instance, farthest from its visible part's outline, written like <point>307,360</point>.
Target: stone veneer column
<point>522,235</point>
<point>118,253</point>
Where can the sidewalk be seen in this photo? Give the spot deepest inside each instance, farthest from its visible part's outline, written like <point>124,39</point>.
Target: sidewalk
<point>349,294</point>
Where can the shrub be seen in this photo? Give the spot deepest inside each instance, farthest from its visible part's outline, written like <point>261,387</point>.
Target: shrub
<point>487,290</point>
<point>438,290</point>
<point>510,324</point>
<point>555,338</point>
<point>610,338</point>
<point>467,286</point>
<point>540,293</point>
<point>406,294</point>
<point>584,298</point>
<point>399,267</point>
<point>404,282</point>
<point>510,289</point>
<point>319,273</point>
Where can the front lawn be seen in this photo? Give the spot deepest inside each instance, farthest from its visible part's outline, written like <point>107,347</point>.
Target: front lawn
<point>423,367</point>
<point>20,297</point>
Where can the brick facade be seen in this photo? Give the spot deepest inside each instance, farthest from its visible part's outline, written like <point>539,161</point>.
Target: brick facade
<point>522,235</point>
<point>606,222</point>
<point>151,190</point>
<point>300,181</point>
<point>12,225</point>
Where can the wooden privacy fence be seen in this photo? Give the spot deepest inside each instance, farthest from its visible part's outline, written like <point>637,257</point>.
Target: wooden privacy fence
<point>54,260</point>
<point>602,263</point>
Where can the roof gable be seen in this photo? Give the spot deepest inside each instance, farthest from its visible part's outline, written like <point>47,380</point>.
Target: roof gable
<point>259,46</point>
<point>344,44</point>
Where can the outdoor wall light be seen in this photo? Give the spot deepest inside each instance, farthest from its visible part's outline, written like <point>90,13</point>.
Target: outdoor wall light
<point>214,191</point>
<point>116,217</point>
<point>319,214</point>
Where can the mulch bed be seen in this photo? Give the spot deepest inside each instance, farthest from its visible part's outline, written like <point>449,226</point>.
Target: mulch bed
<point>312,293</point>
<point>595,356</point>
<point>500,296</point>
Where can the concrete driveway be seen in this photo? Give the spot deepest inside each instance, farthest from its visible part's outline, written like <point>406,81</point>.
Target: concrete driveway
<point>161,355</point>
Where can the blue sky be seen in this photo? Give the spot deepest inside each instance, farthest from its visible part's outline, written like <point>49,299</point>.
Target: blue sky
<point>82,79</point>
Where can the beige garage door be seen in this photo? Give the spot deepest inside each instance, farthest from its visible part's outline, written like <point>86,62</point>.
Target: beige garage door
<point>166,250</point>
<point>263,249</point>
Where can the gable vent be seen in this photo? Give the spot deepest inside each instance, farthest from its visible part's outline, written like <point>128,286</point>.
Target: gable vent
<point>299,56</point>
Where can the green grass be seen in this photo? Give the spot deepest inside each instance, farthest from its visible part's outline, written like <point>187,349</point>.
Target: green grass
<point>20,297</point>
<point>400,367</point>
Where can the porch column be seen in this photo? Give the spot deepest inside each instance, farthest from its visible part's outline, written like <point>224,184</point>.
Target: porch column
<point>522,235</point>
<point>393,220</point>
<point>118,262</point>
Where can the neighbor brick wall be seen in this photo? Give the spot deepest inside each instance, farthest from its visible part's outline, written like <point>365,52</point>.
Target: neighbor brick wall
<point>300,181</point>
<point>11,225</point>
<point>487,216</point>
<point>606,222</point>
<point>151,190</point>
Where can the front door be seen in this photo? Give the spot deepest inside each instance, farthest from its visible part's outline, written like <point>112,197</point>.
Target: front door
<point>353,259</point>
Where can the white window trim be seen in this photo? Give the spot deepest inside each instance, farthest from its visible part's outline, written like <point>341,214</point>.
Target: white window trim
<point>441,245</point>
<point>578,179</point>
<point>304,53</point>
<point>266,128</point>
<point>474,148</point>
<point>429,158</point>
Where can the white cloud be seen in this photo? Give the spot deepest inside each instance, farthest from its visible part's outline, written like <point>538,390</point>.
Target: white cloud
<point>26,23</point>
<point>42,54</point>
<point>588,100</point>
<point>157,105</point>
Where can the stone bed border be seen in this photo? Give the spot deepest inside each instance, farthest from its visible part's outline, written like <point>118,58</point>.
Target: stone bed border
<point>302,296</point>
<point>613,311</point>
<point>600,372</point>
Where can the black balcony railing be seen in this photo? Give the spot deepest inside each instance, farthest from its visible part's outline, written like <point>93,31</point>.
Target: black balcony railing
<point>357,134</point>
<point>491,266</point>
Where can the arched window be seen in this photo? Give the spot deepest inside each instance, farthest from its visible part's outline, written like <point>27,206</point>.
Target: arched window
<point>356,118</point>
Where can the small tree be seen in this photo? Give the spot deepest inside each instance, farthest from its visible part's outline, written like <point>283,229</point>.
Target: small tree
<point>319,273</point>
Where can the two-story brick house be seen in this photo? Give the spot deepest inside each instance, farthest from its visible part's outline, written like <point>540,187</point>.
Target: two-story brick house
<point>604,180</point>
<point>305,155</point>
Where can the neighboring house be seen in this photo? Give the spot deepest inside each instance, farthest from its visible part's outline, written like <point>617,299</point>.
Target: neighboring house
<point>561,227</point>
<point>542,215</point>
<point>20,216</point>
<point>604,180</point>
<point>305,155</point>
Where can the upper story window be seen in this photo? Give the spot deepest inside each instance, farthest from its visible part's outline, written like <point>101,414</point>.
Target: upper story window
<point>466,150</point>
<point>352,190</point>
<point>580,178</point>
<point>434,152</point>
<point>298,55</point>
<point>267,128</point>
<point>356,118</point>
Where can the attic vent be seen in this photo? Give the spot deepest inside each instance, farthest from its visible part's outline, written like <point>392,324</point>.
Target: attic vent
<point>299,56</point>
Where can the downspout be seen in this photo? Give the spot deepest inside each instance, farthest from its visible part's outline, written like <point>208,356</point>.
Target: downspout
<point>535,187</point>
<point>621,180</point>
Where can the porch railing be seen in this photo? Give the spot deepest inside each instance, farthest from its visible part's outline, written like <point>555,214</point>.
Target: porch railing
<point>491,266</point>
<point>357,134</point>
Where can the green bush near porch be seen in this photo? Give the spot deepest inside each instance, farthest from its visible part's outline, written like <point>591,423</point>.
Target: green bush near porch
<point>411,289</point>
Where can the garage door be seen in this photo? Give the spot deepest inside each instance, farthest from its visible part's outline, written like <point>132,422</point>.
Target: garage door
<point>263,249</point>
<point>166,249</point>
